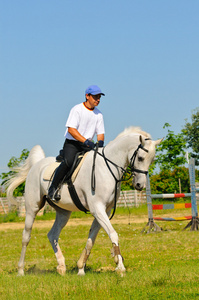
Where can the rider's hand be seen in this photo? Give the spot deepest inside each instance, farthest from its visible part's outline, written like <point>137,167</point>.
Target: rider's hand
<point>89,144</point>
<point>100,143</point>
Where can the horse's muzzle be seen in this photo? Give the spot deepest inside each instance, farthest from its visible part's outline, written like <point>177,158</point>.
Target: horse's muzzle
<point>138,186</point>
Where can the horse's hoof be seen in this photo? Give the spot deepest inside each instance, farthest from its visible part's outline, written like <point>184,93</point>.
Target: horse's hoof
<point>61,270</point>
<point>120,270</point>
<point>121,274</point>
<point>20,272</point>
<point>81,272</point>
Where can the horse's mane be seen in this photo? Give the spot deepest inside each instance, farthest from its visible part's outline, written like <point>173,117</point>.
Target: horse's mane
<point>132,129</point>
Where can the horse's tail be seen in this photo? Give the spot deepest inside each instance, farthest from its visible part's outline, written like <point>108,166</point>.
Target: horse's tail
<point>21,172</point>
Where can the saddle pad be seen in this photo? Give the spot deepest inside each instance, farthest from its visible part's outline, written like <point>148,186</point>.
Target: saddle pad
<point>51,168</point>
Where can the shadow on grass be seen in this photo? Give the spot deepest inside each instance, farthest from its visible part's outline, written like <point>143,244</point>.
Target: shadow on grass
<point>34,270</point>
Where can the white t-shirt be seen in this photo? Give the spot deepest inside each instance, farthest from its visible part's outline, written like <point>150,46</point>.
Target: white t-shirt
<point>87,122</point>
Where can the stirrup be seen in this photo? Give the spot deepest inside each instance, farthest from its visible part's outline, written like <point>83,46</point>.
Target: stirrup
<point>53,194</point>
<point>57,195</point>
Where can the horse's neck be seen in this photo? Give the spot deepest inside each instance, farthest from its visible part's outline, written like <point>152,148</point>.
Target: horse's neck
<point>117,151</point>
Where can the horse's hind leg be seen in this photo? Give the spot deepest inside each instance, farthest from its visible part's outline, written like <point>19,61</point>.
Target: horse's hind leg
<point>25,240</point>
<point>95,227</point>
<point>61,220</point>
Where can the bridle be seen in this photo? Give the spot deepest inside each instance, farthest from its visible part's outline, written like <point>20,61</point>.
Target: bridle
<point>132,160</point>
<point>132,168</point>
<point>131,164</point>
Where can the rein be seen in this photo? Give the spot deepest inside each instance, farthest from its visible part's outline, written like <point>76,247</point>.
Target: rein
<point>116,180</point>
<point>93,168</point>
<point>133,170</point>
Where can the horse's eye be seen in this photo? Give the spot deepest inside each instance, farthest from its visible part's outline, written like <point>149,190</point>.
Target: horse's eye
<point>140,158</point>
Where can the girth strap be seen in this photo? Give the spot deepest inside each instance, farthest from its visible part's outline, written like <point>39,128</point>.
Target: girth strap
<point>74,196</point>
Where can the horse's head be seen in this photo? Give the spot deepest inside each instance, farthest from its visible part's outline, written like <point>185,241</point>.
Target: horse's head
<point>141,160</point>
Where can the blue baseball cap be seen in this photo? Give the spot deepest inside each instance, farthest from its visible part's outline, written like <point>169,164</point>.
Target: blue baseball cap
<point>94,90</point>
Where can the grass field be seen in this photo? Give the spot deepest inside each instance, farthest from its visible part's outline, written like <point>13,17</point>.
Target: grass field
<point>159,265</point>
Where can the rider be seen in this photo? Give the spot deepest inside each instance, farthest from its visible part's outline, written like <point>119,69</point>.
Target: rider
<point>84,121</point>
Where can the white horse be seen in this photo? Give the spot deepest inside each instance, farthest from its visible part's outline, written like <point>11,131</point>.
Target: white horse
<point>132,146</point>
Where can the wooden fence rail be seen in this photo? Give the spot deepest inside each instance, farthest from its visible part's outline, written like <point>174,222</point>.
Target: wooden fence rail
<point>127,199</point>
<point>131,198</point>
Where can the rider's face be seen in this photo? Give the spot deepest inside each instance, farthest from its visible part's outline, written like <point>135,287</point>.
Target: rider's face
<point>93,100</point>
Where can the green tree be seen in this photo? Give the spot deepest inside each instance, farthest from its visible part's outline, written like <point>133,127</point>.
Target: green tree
<point>167,181</point>
<point>191,134</point>
<point>15,162</point>
<point>171,151</point>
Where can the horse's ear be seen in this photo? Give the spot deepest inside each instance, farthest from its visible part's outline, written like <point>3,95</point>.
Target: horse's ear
<point>142,141</point>
<point>158,141</point>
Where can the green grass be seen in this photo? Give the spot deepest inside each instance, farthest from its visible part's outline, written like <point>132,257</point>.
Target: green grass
<point>11,217</point>
<point>159,265</point>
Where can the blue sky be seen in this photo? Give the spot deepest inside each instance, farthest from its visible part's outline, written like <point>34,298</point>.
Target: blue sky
<point>143,54</point>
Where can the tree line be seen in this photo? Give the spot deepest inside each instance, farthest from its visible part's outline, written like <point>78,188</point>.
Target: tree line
<point>167,173</point>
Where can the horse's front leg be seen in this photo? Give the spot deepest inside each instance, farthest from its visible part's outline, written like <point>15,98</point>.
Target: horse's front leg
<point>53,236</point>
<point>118,258</point>
<point>103,219</point>
<point>95,227</point>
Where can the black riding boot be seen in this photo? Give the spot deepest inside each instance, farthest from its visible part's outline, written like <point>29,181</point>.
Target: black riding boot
<point>58,177</point>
